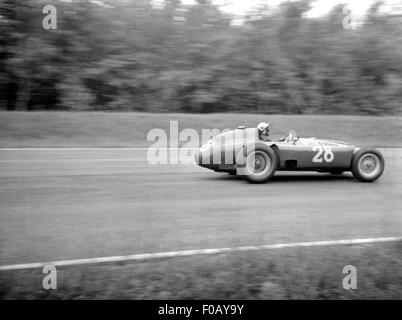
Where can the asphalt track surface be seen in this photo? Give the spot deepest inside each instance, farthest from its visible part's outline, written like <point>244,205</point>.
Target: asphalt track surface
<point>82,203</point>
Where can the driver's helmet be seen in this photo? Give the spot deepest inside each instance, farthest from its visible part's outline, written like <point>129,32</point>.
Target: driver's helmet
<point>263,128</point>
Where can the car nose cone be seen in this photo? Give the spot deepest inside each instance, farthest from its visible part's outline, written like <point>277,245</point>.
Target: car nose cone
<point>197,156</point>
<point>203,156</point>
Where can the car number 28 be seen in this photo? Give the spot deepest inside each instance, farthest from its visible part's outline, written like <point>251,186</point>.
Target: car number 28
<point>324,153</point>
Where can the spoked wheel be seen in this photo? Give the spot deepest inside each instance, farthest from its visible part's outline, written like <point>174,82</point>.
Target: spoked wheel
<point>259,164</point>
<point>367,165</point>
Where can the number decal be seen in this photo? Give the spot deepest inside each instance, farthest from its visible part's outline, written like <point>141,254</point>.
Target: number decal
<point>328,154</point>
<point>317,157</point>
<point>325,154</point>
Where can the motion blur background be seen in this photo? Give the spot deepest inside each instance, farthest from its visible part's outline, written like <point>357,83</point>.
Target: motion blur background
<point>195,56</point>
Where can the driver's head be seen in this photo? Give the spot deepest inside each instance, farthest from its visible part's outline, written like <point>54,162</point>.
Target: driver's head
<point>263,128</point>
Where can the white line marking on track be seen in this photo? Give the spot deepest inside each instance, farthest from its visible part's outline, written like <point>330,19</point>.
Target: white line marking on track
<point>90,149</point>
<point>121,148</point>
<point>171,254</point>
<point>71,160</point>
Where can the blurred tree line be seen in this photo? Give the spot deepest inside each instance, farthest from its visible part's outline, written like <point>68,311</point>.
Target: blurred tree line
<point>133,55</point>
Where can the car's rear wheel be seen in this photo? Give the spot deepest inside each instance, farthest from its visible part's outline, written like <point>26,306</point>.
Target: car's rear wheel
<point>259,164</point>
<point>367,165</point>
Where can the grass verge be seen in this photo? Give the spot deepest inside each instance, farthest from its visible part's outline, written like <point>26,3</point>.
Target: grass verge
<point>292,273</point>
<point>102,129</point>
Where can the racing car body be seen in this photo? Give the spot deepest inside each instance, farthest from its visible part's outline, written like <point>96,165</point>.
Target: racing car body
<point>246,153</point>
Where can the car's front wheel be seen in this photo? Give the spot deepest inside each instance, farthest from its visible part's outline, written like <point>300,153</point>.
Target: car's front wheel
<point>367,165</point>
<point>258,164</point>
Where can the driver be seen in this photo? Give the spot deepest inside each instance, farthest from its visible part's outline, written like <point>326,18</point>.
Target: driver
<point>263,131</point>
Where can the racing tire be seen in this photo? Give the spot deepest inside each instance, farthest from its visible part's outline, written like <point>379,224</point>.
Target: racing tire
<point>258,164</point>
<point>367,165</point>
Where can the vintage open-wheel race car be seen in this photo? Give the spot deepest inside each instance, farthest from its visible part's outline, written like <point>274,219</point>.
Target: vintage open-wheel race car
<point>249,153</point>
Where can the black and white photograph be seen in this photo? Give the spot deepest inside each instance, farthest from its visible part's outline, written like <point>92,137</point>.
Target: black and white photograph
<point>200,153</point>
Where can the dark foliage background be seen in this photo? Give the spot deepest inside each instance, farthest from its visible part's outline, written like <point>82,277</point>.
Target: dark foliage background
<point>134,56</point>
